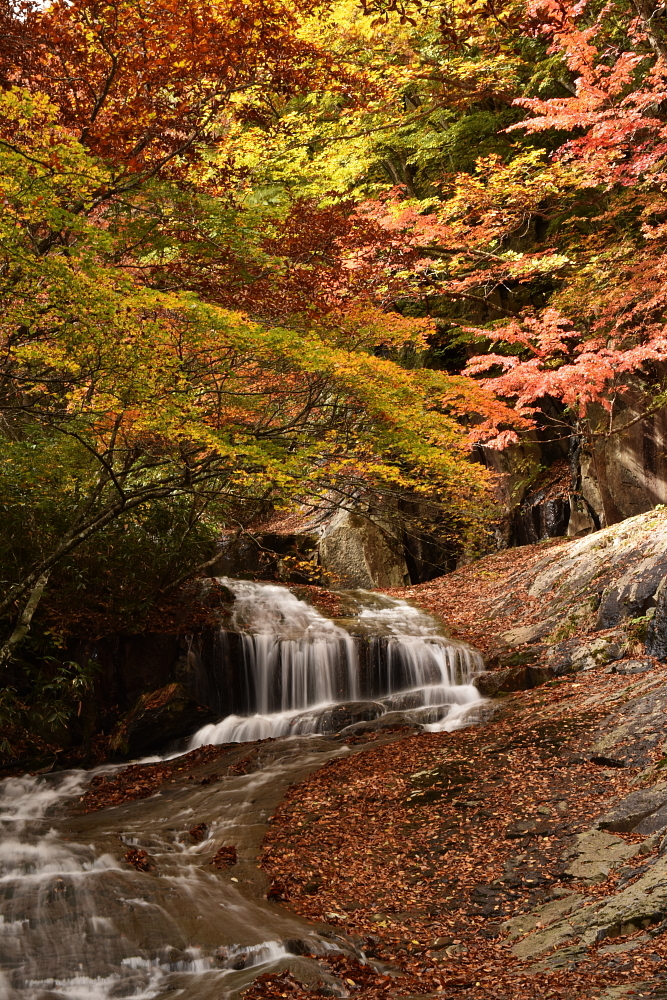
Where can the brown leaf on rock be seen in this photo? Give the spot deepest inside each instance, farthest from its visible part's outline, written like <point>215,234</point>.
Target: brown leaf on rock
<point>139,860</point>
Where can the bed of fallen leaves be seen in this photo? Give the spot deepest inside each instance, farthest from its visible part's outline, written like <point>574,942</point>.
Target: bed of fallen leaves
<point>419,850</point>
<point>138,781</point>
<point>464,599</point>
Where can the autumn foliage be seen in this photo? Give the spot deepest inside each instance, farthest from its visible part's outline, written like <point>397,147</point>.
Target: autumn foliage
<point>256,255</point>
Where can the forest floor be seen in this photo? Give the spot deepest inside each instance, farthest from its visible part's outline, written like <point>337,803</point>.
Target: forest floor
<point>421,849</point>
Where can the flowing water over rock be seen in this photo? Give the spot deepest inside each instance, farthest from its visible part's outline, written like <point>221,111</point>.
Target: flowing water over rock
<point>296,665</point>
<point>77,922</point>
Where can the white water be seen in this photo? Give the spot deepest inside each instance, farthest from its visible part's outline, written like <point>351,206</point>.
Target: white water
<point>76,923</point>
<point>298,665</point>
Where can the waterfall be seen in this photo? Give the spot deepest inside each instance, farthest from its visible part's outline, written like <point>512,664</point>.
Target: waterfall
<point>77,922</point>
<point>301,672</point>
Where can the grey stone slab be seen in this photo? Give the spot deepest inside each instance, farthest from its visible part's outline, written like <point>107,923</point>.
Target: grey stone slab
<point>595,853</point>
<point>635,807</point>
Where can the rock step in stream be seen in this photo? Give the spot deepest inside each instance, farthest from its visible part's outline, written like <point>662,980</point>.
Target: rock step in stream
<point>163,893</point>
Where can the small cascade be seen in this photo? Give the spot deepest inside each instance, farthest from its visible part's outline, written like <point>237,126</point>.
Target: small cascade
<point>301,672</point>
<point>78,923</point>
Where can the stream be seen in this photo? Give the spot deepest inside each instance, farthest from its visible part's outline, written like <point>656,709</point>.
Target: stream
<point>77,923</point>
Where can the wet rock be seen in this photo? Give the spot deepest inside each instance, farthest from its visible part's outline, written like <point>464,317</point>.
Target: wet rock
<point>158,718</point>
<point>294,946</point>
<point>390,720</point>
<point>631,811</point>
<point>507,679</point>
<point>341,717</point>
<point>277,892</point>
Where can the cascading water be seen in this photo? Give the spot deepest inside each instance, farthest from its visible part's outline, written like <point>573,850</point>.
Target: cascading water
<point>296,665</point>
<point>78,923</point>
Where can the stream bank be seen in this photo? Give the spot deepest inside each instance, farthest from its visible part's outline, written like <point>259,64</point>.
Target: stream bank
<point>135,881</point>
<point>526,857</point>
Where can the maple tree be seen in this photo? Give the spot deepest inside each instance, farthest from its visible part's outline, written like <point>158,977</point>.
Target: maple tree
<point>542,254</point>
<point>171,344</point>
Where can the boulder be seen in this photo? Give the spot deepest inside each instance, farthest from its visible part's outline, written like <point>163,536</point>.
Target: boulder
<point>633,812</point>
<point>631,666</point>
<point>157,719</point>
<point>338,717</point>
<point>573,655</point>
<point>357,551</point>
<point>598,652</point>
<point>388,721</point>
<point>507,679</point>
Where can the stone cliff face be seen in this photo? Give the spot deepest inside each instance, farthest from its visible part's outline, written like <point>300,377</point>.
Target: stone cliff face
<point>571,488</point>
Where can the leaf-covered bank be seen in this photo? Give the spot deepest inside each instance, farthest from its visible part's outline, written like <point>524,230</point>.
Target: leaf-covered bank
<point>422,850</point>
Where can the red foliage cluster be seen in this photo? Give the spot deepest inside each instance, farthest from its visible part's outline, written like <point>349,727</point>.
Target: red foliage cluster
<point>142,84</point>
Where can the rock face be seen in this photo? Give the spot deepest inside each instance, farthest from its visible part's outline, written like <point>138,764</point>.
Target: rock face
<point>583,490</point>
<point>601,580</point>
<point>341,549</point>
<point>158,718</point>
<point>356,551</point>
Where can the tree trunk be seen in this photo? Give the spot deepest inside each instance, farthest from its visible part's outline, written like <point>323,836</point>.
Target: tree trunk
<point>22,626</point>
<point>652,16</point>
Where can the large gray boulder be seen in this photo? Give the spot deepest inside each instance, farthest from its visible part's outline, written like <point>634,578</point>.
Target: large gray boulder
<point>596,583</point>
<point>357,551</point>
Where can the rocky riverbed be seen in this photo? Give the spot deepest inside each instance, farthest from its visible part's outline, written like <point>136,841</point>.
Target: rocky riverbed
<point>524,856</point>
<point>528,856</point>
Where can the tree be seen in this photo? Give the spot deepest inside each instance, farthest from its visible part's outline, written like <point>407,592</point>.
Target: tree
<point>161,395</point>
